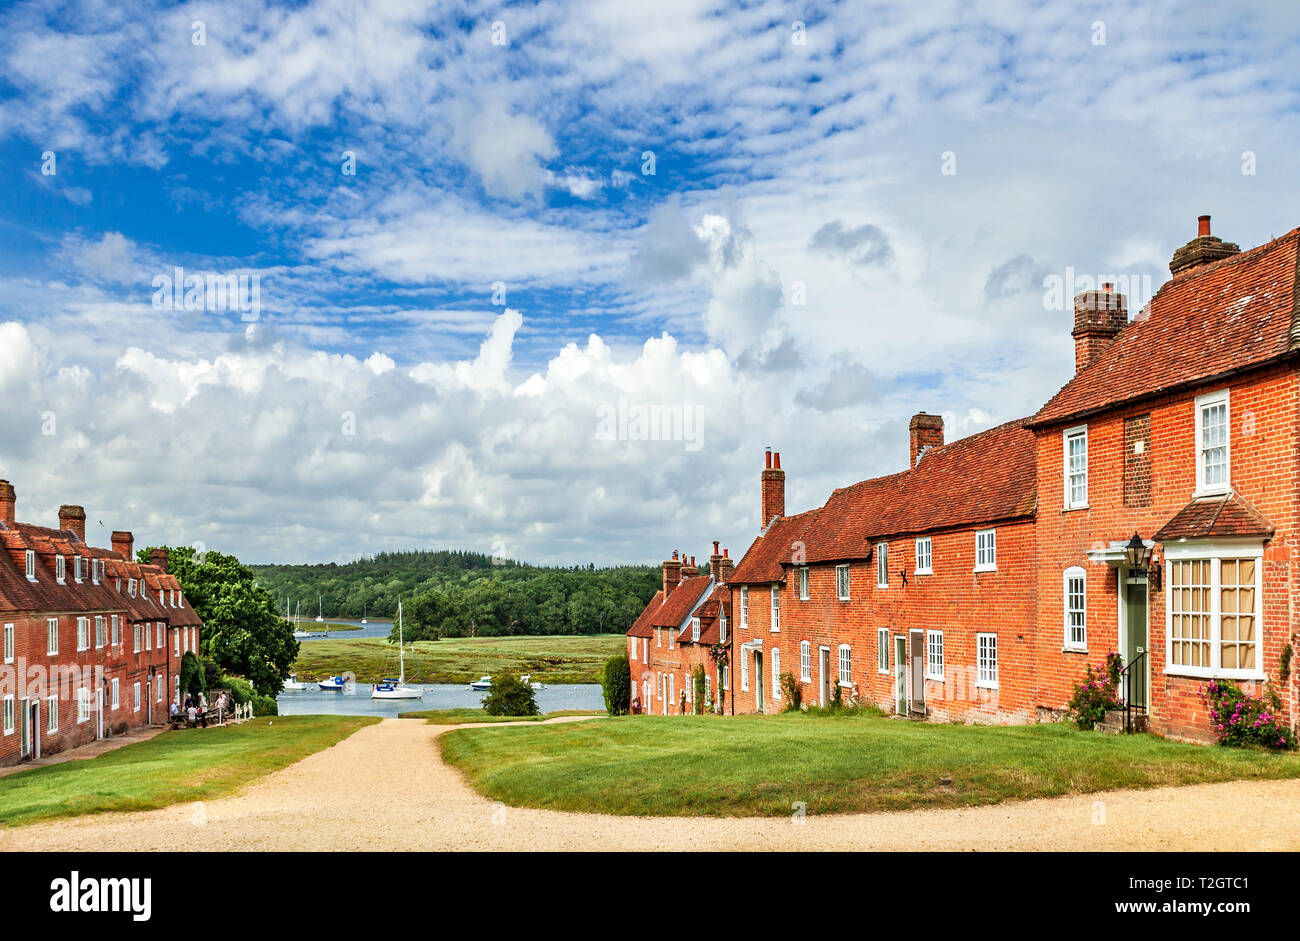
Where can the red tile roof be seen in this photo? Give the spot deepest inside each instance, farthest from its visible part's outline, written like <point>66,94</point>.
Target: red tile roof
<point>642,627</point>
<point>1234,314</point>
<point>988,477</point>
<point>680,603</point>
<point>1211,517</point>
<point>719,599</point>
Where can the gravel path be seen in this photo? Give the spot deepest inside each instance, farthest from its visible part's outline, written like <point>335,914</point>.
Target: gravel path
<point>385,788</point>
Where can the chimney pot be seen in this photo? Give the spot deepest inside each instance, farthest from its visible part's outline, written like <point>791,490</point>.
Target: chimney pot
<point>715,547</point>
<point>776,459</point>
<point>1202,250</point>
<point>726,553</point>
<point>1202,225</point>
<point>672,574</point>
<point>769,457</point>
<point>773,490</point>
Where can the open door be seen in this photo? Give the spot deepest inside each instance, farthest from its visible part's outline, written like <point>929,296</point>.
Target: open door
<point>900,674</point>
<point>824,674</point>
<point>917,684</point>
<point>25,731</point>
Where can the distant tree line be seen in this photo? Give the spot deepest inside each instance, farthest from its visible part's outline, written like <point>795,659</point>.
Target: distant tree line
<point>451,593</point>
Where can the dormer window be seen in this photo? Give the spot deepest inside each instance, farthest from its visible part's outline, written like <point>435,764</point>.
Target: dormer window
<point>60,569</point>
<point>76,569</point>
<point>31,565</point>
<point>130,587</point>
<point>96,570</point>
<point>695,630</point>
<point>119,586</point>
<point>722,625</point>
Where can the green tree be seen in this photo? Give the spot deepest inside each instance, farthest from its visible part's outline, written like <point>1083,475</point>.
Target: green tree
<point>616,684</point>
<point>192,680</point>
<point>242,633</point>
<point>510,696</point>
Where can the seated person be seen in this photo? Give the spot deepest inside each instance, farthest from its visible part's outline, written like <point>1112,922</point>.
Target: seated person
<point>192,714</point>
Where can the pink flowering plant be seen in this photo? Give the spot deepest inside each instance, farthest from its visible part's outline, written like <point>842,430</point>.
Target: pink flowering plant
<point>1097,693</point>
<point>1241,719</point>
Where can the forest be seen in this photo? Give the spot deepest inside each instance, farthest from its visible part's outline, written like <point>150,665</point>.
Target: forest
<point>451,593</point>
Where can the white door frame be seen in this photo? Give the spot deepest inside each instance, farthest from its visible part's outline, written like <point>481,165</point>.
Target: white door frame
<point>916,691</point>
<point>99,712</point>
<point>823,667</point>
<point>900,675</point>
<point>1122,604</point>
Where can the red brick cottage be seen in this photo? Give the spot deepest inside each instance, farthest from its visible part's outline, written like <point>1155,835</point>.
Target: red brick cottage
<point>976,584</point>
<point>92,640</point>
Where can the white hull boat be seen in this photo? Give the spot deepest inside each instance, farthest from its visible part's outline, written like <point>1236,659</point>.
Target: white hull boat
<point>527,680</point>
<point>333,684</point>
<point>482,684</point>
<point>396,689</point>
<point>295,685</point>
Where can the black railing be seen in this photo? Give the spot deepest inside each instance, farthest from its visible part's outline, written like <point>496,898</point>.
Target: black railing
<point>1126,677</point>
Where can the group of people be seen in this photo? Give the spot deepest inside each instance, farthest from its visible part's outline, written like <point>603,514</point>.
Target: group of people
<point>195,710</point>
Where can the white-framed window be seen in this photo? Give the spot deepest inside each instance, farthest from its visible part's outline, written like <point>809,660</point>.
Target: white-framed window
<point>1214,612</point>
<point>672,634</point>
<point>137,638</point>
<point>130,587</point>
<point>135,697</point>
<point>117,631</point>
<point>924,556</point>
<point>846,665</point>
<point>31,565</point>
<point>76,569</point>
<point>96,571</point>
<point>51,635</point>
<point>726,676</point>
<point>9,715</point>
<point>986,550</point>
<point>659,638</point>
<point>722,624</point>
<point>986,656</point>
<point>882,565</point>
<point>9,643</point>
<point>803,583</point>
<point>176,645</point>
<point>776,608</point>
<point>672,688</point>
<point>83,633</point>
<point>776,675</point>
<point>1075,447</point>
<point>632,649</point>
<point>842,582</point>
<point>882,650</point>
<point>934,655</point>
<point>148,637</point>
<point>1076,609</point>
<point>744,671</point>
<point>805,662</point>
<point>1213,446</point>
<point>52,714</point>
<point>99,631</point>
<point>60,569</point>
<point>83,704</point>
<point>114,693</point>
<point>744,607</point>
<point>158,687</point>
<point>695,630</point>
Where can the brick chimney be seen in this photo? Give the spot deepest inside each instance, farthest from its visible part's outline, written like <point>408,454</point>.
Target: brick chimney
<point>672,573</point>
<point>159,558</point>
<point>722,570</point>
<point>73,518</point>
<point>923,433</point>
<point>1098,317</point>
<point>124,545</point>
<point>1202,250</point>
<point>773,489</point>
<point>8,500</point>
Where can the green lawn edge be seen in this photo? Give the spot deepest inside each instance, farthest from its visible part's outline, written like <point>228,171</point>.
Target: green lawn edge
<point>171,768</point>
<point>774,766</point>
<point>469,716</point>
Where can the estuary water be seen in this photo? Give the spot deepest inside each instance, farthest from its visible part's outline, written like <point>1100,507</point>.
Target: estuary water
<point>357,701</point>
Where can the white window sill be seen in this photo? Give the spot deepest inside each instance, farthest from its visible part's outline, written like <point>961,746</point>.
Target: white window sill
<point>880,672</point>
<point>986,685</point>
<point>924,572</point>
<point>1236,675</point>
<point>937,679</point>
<point>1076,506</point>
<point>986,568</point>
<point>1216,491</point>
<point>882,586</point>
<point>843,685</point>
<point>1069,649</point>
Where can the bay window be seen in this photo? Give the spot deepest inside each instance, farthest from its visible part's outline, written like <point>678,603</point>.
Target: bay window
<point>1214,613</point>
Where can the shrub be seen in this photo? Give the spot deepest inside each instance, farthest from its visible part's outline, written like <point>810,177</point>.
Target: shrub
<point>837,697</point>
<point>192,679</point>
<point>867,709</point>
<point>265,706</point>
<point>1097,693</point>
<point>792,692</point>
<point>510,696</point>
<point>1241,719</point>
<point>701,692</point>
<point>241,691</point>
<point>616,684</point>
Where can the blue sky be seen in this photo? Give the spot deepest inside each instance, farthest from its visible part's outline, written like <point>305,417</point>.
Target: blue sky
<point>798,271</point>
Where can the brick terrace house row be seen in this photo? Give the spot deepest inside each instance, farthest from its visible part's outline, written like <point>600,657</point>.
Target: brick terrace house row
<point>92,640</point>
<point>977,584</point>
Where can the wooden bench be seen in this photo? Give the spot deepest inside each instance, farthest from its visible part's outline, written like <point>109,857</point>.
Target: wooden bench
<point>182,720</point>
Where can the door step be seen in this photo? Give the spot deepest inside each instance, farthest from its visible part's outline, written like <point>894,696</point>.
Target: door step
<point>1114,722</point>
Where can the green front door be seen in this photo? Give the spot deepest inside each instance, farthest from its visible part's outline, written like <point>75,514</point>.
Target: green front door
<point>1136,642</point>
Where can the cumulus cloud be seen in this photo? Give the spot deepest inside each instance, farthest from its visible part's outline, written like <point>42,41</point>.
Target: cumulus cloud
<point>862,245</point>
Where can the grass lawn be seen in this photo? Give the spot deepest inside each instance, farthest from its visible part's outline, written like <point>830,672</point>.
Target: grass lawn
<point>471,716</point>
<point>760,766</point>
<point>170,768</point>
<point>551,659</point>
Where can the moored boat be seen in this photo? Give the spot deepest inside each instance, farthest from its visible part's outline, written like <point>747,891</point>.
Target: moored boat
<point>482,683</point>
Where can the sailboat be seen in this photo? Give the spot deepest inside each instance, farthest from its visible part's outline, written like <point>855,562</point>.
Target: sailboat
<point>395,689</point>
<point>298,632</point>
<point>365,609</point>
<point>320,610</point>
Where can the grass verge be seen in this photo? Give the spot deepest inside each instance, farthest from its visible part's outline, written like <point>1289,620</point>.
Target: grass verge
<point>171,768</point>
<point>761,766</point>
<point>475,716</point>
